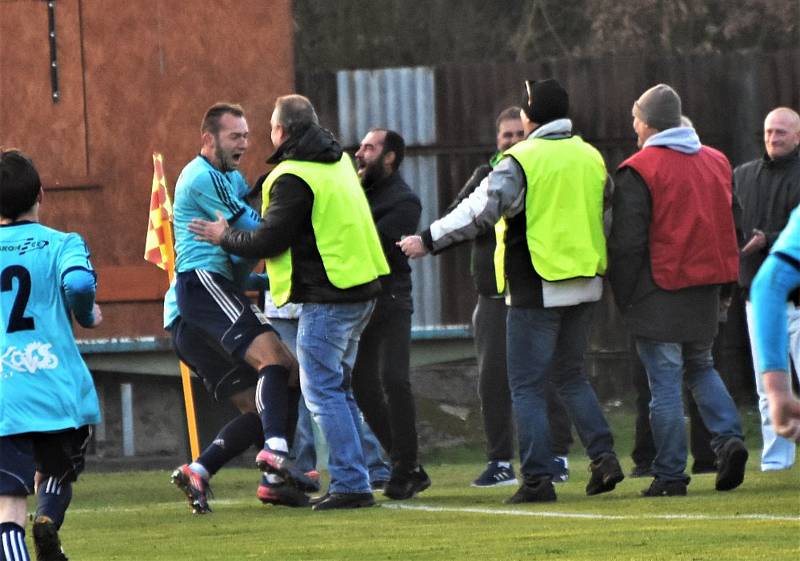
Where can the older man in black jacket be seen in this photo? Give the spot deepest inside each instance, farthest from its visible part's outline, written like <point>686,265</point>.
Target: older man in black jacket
<point>769,189</point>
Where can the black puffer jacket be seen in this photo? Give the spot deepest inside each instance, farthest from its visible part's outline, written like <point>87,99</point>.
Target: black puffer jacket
<point>768,191</point>
<point>287,224</point>
<point>396,210</point>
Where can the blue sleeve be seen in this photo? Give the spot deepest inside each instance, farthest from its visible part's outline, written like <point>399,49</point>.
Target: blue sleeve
<point>79,291</point>
<point>776,279</point>
<point>78,279</point>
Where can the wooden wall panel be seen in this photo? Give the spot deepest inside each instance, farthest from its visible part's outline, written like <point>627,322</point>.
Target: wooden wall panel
<point>149,70</point>
<point>53,134</point>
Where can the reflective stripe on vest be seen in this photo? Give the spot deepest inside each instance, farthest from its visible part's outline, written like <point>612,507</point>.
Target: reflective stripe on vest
<point>345,232</point>
<point>564,206</point>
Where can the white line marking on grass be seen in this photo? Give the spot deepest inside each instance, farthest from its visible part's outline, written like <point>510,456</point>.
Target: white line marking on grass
<point>182,505</point>
<point>590,516</point>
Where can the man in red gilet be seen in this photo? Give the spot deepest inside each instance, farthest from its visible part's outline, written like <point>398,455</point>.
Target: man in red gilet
<point>672,245</point>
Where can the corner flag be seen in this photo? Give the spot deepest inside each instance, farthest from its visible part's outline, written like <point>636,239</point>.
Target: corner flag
<point>158,247</point>
<point>159,250</point>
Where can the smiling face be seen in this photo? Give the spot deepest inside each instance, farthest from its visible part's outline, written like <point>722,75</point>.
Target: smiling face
<point>370,158</point>
<point>781,133</point>
<point>229,144</point>
<point>509,132</point>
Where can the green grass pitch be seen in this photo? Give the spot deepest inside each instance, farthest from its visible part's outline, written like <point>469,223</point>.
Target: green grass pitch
<point>141,516</point>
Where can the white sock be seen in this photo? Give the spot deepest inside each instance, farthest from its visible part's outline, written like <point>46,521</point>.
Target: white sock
<point>278,444</point>
<point>200,470</point>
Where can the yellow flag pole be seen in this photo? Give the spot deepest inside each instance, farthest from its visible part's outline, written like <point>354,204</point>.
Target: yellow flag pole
<point>169,264</point>
<point>186,376</point>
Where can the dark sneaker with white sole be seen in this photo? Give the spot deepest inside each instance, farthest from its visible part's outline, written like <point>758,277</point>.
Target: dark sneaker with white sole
<point>496,474</point>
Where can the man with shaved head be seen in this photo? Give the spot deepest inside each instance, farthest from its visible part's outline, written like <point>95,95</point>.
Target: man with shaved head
<point>769,189</point>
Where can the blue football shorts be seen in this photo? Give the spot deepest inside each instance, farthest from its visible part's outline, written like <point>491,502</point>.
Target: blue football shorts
<point>217,307</point>
<point>222,375</point>
<point>60,454</point>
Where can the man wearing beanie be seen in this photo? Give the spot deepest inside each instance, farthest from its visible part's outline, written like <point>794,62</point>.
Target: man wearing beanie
<point>550,189</point>
<point>672,244</point>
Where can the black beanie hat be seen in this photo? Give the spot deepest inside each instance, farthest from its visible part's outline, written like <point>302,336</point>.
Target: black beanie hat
<point>545,101</point>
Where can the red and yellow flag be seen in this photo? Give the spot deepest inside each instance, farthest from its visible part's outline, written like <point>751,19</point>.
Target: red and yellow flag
<point>158,248</point>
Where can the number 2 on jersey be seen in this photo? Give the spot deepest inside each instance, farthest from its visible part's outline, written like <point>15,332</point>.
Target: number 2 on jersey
<point>17,320</point>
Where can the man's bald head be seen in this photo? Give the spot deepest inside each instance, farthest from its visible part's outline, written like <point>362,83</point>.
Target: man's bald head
<point>781,132</point>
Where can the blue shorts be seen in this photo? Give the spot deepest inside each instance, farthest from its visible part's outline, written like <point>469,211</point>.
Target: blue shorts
<point>217,307</point>
<point>222,375</point>
<point>59,454</point>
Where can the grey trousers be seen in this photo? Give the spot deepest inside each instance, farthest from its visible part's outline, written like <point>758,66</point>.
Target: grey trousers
<point>489,323</point>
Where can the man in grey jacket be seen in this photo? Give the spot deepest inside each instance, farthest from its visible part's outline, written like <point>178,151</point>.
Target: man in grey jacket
<point>550,188</point>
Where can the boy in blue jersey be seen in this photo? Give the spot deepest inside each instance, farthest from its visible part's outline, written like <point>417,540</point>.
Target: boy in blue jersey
<point>47,395</point>
<point>218,332</point>
<point>777,278</point>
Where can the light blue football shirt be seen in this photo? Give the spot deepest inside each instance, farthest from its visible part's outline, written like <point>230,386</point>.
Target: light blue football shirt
<point>202,191</point>
<point>44,383</point>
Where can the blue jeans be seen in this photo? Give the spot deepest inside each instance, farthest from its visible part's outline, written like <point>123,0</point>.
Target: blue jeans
<point>549,343</point>
<point>327,342</point>
<point>303,450</point>
<point>666,365</point>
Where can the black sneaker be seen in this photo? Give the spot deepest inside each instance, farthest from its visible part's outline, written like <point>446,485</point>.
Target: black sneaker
<point>404,485</point>
<point>642,470</point>
<point>606,473</point>
<point>731,460</point>
<point>319,498</point>
<point>196,489</point>
<point>539,491</point>
<point>333,501</point>
<point>666,488</point>
<point>378,484</point>
<point>703,467</point>
<point>45,540</point>
<point>496,475</point>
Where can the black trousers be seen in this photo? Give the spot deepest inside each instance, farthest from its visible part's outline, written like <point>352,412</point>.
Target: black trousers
<point>381,383</point>
<point>489,323</point>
